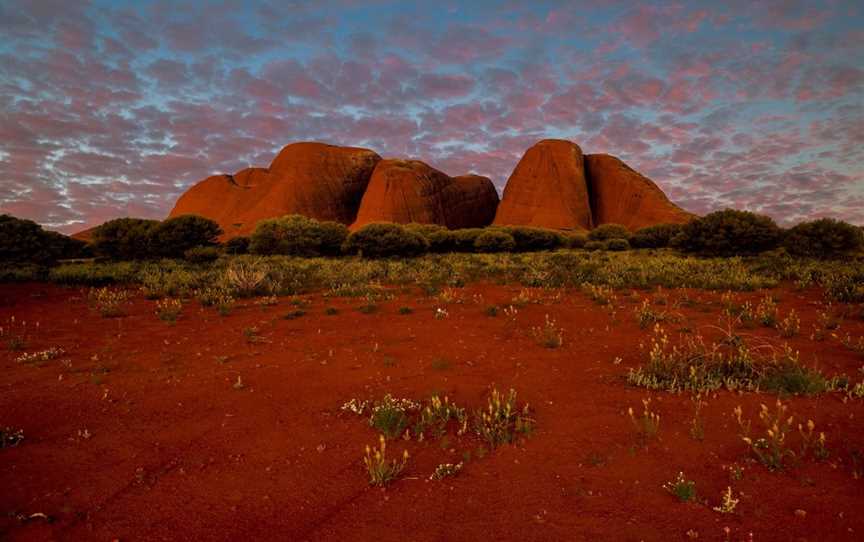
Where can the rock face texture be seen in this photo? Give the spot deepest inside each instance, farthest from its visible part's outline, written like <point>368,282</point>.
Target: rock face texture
<point>321,181</point>
<point>621,195</point>
<point>548,189</point>
<point>405,191</point>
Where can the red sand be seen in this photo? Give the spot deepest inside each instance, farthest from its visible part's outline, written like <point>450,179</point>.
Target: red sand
<point>177,453</point>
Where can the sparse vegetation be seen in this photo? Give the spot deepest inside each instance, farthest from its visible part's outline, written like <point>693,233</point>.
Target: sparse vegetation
<point>10,437</point>
<point>680,487</point>
<point>549,335</point>
<point>109,302</point>
<point>501,421</point>
<point>731,363</point>
<point>380,471</point>
<point>773,448</point>
<point>168,310</point>
<point>646,424</point>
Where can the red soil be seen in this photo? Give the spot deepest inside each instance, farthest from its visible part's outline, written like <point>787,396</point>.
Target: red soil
<point>177,453</point>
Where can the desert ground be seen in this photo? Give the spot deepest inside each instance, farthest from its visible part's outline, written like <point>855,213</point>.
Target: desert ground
<point>209,426</point>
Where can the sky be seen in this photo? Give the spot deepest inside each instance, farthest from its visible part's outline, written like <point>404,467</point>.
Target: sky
<point>113,108</point>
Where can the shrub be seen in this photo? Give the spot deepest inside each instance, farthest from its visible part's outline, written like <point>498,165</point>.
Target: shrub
<point>382,240</point>
<point>616,245</point>
<point>494,241</point>
<point>173,237</point>
<point>237,245</point>
<point>535,239</point>
<point>440,239</point>
<point>823,238</point>
<point>201,254</point>
<point>609,231</point>
<point>728,233</point>
<point>124,238</point>
<point>296,235</point>
<point>576,240</point>
<point>595,245</point>
<point>25,241</point>
<point>463,240</point>
<point>658,236</point>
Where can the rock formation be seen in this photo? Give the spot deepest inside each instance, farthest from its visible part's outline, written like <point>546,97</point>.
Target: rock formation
<point>405,191</point>
<point>621,195</point>
<point>321,181</point>
<point>547,189</point>
<point>553,186</point>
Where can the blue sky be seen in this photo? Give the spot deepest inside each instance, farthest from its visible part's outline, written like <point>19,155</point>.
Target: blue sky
<point>113,108</point>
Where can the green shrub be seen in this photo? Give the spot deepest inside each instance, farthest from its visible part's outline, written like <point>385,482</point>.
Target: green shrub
<point>824,238</point>
<point>576,240</point>
<point>297,235</point>
<point>124,238</point>
<point>173,237</point>
<point>657,236</point>
<point>616,245</point>
<point>384,239</point>
<point>463,240</point>
<point>535,239</point>
<point>595,245</point>
<point>237,245</point>
<point>609,231</point>
<point>202,254</point>
<point>494,241</point>
<point>440,239</point>
<point>25,241</point>
<point>728,233</point>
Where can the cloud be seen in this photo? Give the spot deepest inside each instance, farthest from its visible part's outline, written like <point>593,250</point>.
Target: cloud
<point>113,109</point>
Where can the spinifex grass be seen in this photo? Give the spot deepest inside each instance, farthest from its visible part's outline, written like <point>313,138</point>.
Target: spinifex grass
<point>682,488</point>
<point>390,416</point>
<point>109,302</point>
<point>435,416</point>
<point>380,471</point>
<point>732,363</point>
<point>168,310</point>
<point>647,424</point>
<point>771,449</point>
<point>549,335</point>
<point>501,421</point>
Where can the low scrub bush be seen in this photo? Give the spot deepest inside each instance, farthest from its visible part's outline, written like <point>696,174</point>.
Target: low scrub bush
<point>25,241</point>
<point>535,239</point>
<point>494,241</point>
<point>609,231</point>
<point>124,239</point>
<point>658,236</point>
<point>382,240</point>
<point>175,236</point>
<point>616,245</point>
<point>575,240</point>
<point>202,255</point>
<point>237,245</point>
<point>297,235</point>
<point>464,240</point>
<point>440,239</point>
<point>728,233</point>
<point>824,238</point>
